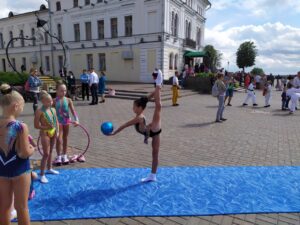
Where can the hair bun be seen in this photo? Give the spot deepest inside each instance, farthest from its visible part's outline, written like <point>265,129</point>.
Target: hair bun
<point>144,100</point>
<point>5,89</point>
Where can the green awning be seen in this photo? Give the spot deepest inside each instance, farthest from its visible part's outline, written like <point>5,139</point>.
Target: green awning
<point>195,54</point>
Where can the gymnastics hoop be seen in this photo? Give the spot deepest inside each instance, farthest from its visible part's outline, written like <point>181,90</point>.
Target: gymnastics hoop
<point>80,155</point>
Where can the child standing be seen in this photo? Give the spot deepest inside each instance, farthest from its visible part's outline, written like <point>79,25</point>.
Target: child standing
<point>63,105</point>
<point>102,82</point>
<point>250,94</point>
<point>294,94</point>
<point>46,121</point>
<point>15,151</point>
<point>283,99</point>
<point>267,92</point>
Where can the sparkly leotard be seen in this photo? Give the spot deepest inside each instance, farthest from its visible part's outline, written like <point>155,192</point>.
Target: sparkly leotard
<point>50,120</point>
<point>11,165</point>
<point>62,111</point>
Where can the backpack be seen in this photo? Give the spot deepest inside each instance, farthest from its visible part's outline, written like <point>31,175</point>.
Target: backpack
<point>215,90</point>
<point>27,86</point>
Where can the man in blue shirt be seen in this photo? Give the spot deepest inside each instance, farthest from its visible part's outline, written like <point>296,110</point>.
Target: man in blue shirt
<point>85,79</point>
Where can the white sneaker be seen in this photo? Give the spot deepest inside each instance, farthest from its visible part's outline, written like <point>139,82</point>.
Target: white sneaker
<point>150,178</point>
<point>65,159</point>
<point>13,214</point>
<point>44,180</point>
<point>52,171</point>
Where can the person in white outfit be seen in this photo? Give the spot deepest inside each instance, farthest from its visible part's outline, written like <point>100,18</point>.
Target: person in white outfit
<point>250,94</point>
<point>267,93</point>
<point>294,94</point>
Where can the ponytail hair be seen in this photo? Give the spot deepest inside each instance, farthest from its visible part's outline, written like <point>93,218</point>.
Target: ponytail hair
<point>141,102</point>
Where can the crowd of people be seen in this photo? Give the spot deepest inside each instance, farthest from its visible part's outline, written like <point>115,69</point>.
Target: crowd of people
<point>289,85</point>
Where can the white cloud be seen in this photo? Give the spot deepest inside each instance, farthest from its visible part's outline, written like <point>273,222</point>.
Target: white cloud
<point>19,6</point>
<point>278,45</point>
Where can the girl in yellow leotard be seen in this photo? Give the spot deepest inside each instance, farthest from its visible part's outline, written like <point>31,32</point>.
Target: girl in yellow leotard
<point>46,121</point>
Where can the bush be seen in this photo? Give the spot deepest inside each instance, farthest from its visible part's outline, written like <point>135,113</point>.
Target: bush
<point>205,74</point>
<point>13,78</point>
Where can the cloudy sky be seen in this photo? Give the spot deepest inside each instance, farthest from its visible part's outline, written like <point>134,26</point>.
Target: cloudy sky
<point>273,25</point>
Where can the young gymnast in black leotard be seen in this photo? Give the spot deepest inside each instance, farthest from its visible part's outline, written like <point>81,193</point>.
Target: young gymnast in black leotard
<point>152,130</point>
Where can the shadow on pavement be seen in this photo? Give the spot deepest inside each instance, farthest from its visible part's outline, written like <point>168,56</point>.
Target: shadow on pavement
<point>198,125</point>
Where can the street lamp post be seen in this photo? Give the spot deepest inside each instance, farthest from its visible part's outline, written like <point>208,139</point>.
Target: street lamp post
<point>51,39</point>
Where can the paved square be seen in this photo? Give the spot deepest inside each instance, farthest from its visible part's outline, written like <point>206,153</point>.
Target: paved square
<point>190,138</point>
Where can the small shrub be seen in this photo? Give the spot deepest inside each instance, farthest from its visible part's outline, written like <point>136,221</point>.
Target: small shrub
<point>13,78</point>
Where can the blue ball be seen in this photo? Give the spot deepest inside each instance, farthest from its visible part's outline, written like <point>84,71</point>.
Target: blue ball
<point>107,128</point>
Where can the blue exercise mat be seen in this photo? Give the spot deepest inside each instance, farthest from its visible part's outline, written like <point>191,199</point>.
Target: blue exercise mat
<point>180,191</point>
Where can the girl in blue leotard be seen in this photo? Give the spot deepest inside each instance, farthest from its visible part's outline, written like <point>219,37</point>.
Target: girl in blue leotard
<point>15,150</point>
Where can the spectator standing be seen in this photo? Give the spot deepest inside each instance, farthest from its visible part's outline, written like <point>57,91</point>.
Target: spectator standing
<point>229,90</point>
<point>94,81</point>
<point>34,87</point>
<point>175,88</point>
<point>221,95</point>
<point>71,84</point>
<point>257,81</point>
<point>102,83</point>
<point>84,79</point>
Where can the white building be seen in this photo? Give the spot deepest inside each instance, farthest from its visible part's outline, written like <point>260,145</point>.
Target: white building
<point>125,38</point>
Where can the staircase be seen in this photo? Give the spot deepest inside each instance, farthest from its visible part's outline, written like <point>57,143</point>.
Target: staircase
<point>49,84</point>
<point>127,93</point>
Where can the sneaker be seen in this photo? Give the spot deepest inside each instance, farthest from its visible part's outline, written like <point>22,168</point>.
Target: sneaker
<point>244,104</point>
<point>13,214</point>
<point>81,159</point>
<point>291,112</point>
<point>267,106</point>
<point>102,101</point>
<point>52,171</point>
<point>65,160</point>
<point>223,119</point>
<point>229,104</point>
<point>255,104</point>
<point>44,180</point>
<point>218,121</point>
<point>57,161</point>
<point>150,178</point>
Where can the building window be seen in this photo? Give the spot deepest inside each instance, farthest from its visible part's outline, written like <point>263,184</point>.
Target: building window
<point>87,2</point>
<point>58,6</point>
<point>59,32</point>
<point>114,27</point>
<point>176,62</point>
<point>32,35</point>
<point>77,32</point>
<point>3,65</point>
<point>22,36</point>
<point>60,62</point>
<point>198,38</point>
<point>24,63</point>
<point>88,31</point>
<point>102,62</point>
<point>100,29</point>
<point>11,35</point>
<point>75,3</point>
<point>128,25</point>
<point>189,30</point>
<point>46,39</point>
<point>172,22</point>
<point>171,59</point>
<point>90,63</point>
<point>47,60</point>
<point>13,62</point>
<point>186,29</point>
<point>176,25</point>
<point>1,41</point>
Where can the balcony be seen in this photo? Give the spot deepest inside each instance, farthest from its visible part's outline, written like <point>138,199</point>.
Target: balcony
<point>189,43</point>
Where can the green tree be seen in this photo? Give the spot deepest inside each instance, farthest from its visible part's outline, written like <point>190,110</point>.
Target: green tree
<point>246,54</point>
<point>213,58</point>
<point>257,71</point>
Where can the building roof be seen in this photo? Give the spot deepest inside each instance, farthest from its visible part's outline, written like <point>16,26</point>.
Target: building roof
<point>23,14</point>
